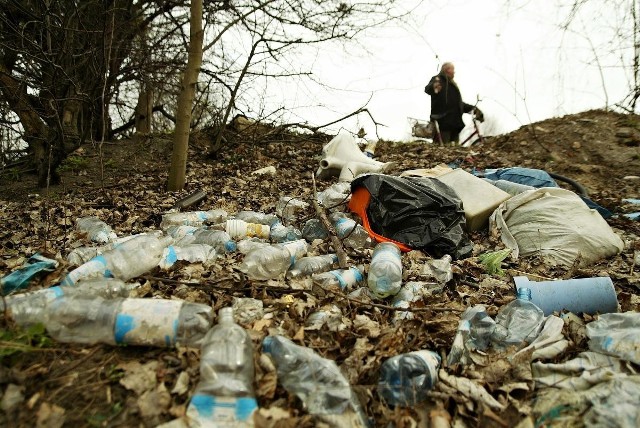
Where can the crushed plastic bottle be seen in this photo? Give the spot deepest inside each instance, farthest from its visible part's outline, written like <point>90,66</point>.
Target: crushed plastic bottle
<point>95,229</point>
<point>335,195</point>
<point>125,261</point>
<point>409,293</point>
<point>475,331</point>
<point>28,308</point>
<point>406,379</point>
<point>225,396</point>
<point>133,321</point>
<point>218,239</point>
<point>288,208</point>
<point>273,261</point>
<point>343,278</point>
<point>385,271</point>
<point>182,235</point>
<point>308,265</point>
<point>257,217</point>
<point>81,255</point>
<point>353,234</point>
<point>246,245</point>
<point>193,218</point>
<point>518,321</point>
<point>192,253</point>
<point>314,229</point>
<point>281,233</point>
<point>439,269</point>
<point>317,381</point>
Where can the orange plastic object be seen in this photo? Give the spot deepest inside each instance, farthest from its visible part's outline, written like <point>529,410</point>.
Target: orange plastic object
<point>358,204</point>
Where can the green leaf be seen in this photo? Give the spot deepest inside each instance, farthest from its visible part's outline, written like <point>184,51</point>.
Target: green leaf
<point>492,261</point>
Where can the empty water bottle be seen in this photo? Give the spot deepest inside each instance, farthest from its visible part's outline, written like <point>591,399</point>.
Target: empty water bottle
<point>343,278</point>
<point>257,217</point>
<point>475,331</point>
<point>272,261</point>
<point>183,234</point>
<point>218,239</point>
<point>409,293</point>
<point>96,229</point>
<point>317,381</point>
<point>238,229</point>
<point>225,396</point>
<point>385,270</point>
<point>81,255</point>
<point>306,266</point>
<point>314,229</point>
<point>192,253</point>
<point>288,208</point>
<point>518,321</point>
<point>353,234</point>
<point>193,218</point>
<point>282,233</point>
<point>28,308</point>
<point>133,321</point>
<point>248,244</point>
<point>406,379</point>
<point>125,261</point>
<point>334,195</point>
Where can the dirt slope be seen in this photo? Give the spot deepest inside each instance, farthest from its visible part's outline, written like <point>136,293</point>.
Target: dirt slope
<point>123,183</point>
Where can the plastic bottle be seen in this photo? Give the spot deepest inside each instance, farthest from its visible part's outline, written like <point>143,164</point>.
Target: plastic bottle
<point>28,308</point>
<point>409,293</point>
<point>133,321</point>
<point>518,321</point>
<point>334,195</point>
<point>343,278</point>
<point>96,230</point>
<point>406,379</point>
<point>273,261</point>
<point>475,331</point>
<point>182,234</point>
<point>192,253</point>
<point>218,239</point>
<point>314,229</point>
<point>306,266</point>
<point>288,208</point>
<point>193,218</point>
<point>439,269</point>
<point>125,261</point>
<point>241,229</point>
<point>81,255</point>
<point>225,396</point>
<point>257,217</point>
<point>246,245</point>
<point>353,234</point>
<point>385,271</point>
<point>281,233</point>
<point>317,381</point>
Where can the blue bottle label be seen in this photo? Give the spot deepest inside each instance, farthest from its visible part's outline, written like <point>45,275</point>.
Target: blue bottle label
<point>147,322</point>
<point>208,411</point>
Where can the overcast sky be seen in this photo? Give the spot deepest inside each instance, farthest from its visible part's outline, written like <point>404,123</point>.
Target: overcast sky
<point>511,54</point>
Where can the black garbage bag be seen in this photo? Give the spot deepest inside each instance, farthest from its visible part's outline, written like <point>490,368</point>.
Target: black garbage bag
<point>420,212</point>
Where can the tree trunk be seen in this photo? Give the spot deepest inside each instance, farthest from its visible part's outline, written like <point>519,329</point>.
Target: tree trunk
<point>178,169</point>
<point>144,110</point>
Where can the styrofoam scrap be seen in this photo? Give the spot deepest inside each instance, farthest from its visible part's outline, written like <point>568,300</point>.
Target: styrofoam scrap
<point>470,389</point>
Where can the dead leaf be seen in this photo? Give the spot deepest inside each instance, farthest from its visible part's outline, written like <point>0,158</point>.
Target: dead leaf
<point>139,378</point>
<point>182,384</point>
<point>50,416</point>
<point>155,402</point>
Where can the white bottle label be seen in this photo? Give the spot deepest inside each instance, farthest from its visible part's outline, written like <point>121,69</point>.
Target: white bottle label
<point>206,411</point>
<point>148,322</point>
<point>347,277</point>
<point>97,266</point>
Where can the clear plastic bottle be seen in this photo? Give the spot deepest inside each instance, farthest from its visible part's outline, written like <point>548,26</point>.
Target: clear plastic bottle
<point>192,253</point>
<point>385,272</point>
<point>81,255</point>
<point>193,218</point>
<point>518,321</point>
<point>238,229</point>
<point>307,266</point>
<point>475,331</point>
<point>281,233</point>
<point>317,381</point>
<point>246,245</point>
<point>353,234</point>
<point>125,261</point>
<point>182,234</point>
<point>288,208</point>
<point>335,195</point>
<point>133,321</point>
<point>314,229</point>
<point>96,229</point>
<point>28,308</point>
<point>406,379</point>
<point>343,278</point>
<point>257,217</point>
<point>219,239</point>
<point>225,396</point>
<point>409,293</point>
<point>439,269</point>
<point>273,261</point>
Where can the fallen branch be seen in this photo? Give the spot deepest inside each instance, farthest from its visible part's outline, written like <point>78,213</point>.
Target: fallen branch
<point>333,235</point>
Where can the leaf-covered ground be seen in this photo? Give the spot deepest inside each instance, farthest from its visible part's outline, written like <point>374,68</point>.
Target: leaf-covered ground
<point>51,384</point>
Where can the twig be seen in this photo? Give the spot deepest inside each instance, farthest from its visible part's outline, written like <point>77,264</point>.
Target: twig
<point>337,244</point>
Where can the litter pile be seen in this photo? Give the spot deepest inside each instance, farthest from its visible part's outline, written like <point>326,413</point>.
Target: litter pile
<point>370,302</point>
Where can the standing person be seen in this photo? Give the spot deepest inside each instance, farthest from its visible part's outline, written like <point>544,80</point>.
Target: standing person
<point>447,106</point>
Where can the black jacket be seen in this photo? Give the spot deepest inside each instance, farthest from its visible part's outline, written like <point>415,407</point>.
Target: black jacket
<point>447,106</point>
